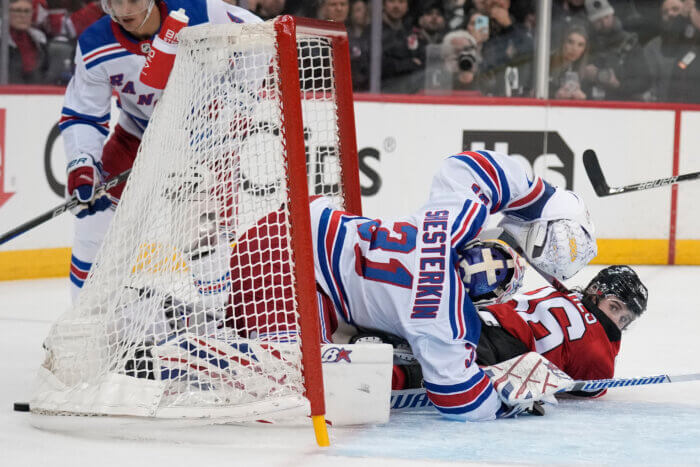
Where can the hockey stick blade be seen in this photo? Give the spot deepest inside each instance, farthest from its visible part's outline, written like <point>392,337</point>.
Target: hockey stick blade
<point>407,399</point>
<point>58,210</point>
<point>595,173</point>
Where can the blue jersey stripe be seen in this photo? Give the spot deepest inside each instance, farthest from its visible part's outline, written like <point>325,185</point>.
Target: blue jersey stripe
<point>505,188</point>
<point>113,56</point>
<point>81,264</point>
<point>534,211</point>
<point>323,258</point>
<point>63,125</point>
<point>469,407</point>
<point>77,282</point>
<point>72,113</point>
<point>454,388</point>
<point>482,174</point>
<point>335,269</point>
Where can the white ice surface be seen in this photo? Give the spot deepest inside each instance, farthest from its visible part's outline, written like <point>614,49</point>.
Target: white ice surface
<point>644,425</point>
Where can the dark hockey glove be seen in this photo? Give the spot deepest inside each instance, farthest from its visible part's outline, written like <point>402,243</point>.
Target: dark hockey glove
<point>85,184</point>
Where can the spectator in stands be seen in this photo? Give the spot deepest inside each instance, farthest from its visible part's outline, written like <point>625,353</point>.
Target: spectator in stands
<point>358,38</point>
<point>618,68</point>
<point>431,23</point>
<point>461,60</point>
<point>478,26</point>
<point>333,10</point>
<point>567,65</point>
<point>28,59</point>
<point>508,54</point>
<point>566,13</point>
<point>402,64</point>
<point>680,43</point>
<point>662,61</point>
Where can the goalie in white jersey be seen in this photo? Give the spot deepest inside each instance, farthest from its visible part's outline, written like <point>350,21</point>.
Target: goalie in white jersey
<point>109,58</point>
<point>416,277</point>
<point>409,276</point>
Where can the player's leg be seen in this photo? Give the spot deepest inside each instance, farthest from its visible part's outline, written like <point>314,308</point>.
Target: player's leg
<point>118,155</point>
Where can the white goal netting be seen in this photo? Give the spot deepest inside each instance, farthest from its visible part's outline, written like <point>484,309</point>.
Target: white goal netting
<point>190,309</point>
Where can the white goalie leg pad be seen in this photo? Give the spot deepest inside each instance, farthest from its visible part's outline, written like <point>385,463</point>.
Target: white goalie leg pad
<point>527,378</point>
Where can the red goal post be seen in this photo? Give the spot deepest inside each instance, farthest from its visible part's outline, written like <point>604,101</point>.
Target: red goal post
<point>287,28</point>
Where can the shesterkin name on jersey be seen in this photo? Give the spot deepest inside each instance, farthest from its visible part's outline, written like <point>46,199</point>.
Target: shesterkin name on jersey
<point>431,276</point>
<point>110,57</point>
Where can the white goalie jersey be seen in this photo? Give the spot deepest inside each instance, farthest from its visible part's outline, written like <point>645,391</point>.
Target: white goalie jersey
<point>400,275</point>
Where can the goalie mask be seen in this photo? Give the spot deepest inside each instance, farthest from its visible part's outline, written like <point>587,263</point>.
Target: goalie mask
<point>561,242</point>
<point>491,271</point>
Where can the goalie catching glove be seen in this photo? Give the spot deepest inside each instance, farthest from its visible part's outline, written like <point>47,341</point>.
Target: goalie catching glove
<point>85,184</point>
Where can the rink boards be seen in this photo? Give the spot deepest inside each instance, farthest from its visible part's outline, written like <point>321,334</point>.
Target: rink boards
<point>401,142</point>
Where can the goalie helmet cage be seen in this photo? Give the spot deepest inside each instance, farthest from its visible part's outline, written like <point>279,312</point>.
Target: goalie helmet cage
<point>204,281</point>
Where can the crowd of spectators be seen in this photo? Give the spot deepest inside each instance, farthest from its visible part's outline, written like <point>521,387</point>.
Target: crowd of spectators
<point>642,50</point>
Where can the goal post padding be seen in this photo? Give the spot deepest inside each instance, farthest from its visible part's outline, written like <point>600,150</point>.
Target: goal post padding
<point>180,315</point>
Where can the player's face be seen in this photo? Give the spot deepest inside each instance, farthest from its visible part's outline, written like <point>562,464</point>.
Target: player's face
<point>617,311</point>
<point>130,14</point>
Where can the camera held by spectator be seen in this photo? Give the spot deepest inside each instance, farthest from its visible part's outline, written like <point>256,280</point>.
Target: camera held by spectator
<point>454,64</point>
<point>468,59</point>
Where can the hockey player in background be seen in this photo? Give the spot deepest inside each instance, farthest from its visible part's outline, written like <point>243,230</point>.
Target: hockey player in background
<point>415,276</point>
<point>109,58</point>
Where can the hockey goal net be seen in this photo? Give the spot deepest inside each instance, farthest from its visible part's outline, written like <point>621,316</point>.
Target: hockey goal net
<point>201,303</point>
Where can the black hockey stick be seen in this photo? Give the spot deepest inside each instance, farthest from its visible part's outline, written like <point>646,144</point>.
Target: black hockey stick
<point>58,210</point>
<point>601,187</point>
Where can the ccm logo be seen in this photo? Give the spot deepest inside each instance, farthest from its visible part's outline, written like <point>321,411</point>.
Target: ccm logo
<point>335,355</point>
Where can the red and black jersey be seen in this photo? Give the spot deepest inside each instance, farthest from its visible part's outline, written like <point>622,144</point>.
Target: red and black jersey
<point>580,340</point>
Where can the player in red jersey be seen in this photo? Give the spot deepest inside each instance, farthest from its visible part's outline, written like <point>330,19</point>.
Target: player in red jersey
<point>579,331</point>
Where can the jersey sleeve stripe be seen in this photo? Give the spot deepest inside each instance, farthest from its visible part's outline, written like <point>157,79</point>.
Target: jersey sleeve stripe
<point>64,124</point>
<point>70,117</point>
<point>457,323</point>
<point>105,49</point>
<point>328,238</point>
<point>468,398</point>
<point>535,192</point>
<point>468,226</point>
<point>68,112</point>
<point>533,210</point>
<point>103,58</point>
<point>505,186</point>
<point>479,171</point>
